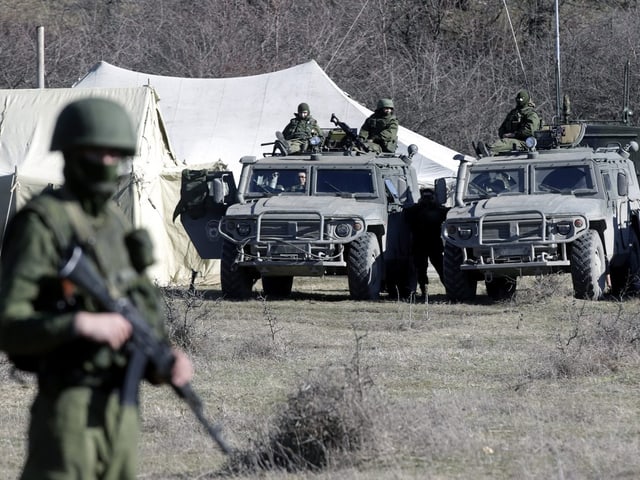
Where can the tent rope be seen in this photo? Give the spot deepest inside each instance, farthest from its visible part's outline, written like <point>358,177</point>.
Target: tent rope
<point>515,41</point>
<point>326,67</point>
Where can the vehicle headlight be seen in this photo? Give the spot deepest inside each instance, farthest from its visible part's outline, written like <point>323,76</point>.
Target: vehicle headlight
<point>343,230</point>
<point>563,228</point>
<point>463,232</point>
<point>243,228</point>
<point>531,143</point>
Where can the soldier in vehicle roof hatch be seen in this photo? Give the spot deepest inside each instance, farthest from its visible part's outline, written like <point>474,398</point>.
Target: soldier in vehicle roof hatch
<point>380,131</point>
<point>300,129</point>
<point>521,122</point>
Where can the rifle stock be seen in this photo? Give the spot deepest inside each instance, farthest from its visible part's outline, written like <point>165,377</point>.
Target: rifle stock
<point>145,346</point>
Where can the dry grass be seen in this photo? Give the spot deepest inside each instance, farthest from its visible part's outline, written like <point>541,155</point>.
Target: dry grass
<point>321,387</point>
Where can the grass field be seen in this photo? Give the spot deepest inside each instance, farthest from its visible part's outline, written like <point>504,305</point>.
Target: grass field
<point>542,387</point>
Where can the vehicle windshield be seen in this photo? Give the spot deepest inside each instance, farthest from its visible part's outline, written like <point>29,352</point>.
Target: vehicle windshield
<point>271,181</point>
<point>328,181</point>
<point>563,179</point>
<point>491,182</point>
<point>340,182</point>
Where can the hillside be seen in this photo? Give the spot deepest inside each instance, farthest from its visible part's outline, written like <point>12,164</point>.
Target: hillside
<point>452,66</point>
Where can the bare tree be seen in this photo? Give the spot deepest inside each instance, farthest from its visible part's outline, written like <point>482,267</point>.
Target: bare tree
<point>451,66</point>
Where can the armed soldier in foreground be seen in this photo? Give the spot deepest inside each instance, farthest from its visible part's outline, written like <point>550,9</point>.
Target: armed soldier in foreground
<point>80,426</point>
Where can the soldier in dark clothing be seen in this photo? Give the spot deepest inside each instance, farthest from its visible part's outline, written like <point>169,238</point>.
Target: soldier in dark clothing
<point>425,219</point>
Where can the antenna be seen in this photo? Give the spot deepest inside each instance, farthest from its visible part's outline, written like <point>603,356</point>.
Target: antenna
<point>558,88</point>
<point>626,110</point>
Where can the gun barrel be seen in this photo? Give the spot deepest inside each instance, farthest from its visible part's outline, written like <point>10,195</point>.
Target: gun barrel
<point>187,393</point>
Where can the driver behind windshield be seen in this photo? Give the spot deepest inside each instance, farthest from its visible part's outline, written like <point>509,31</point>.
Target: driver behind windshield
<point>301,186</point>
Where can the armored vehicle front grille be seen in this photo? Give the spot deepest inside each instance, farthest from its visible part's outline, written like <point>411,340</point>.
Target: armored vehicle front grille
<point>290,229</point>
<point>530,230</point>
<point>512,231</point>
<point>496,231</point>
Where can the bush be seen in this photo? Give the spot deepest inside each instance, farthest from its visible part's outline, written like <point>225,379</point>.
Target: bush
<point>595,344</point>
<point>331,413</point>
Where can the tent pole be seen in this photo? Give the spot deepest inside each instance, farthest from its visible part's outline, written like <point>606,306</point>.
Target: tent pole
<point>40,33</point>
<point>14,185</point>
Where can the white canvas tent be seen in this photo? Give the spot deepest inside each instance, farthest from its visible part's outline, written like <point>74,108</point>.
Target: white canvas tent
<point>149,194</point>
<point>225,118</point>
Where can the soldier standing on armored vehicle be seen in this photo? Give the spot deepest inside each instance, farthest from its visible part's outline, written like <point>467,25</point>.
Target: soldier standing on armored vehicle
<point>300,129</point>
<point>380,131</point>
<point>520,123</point>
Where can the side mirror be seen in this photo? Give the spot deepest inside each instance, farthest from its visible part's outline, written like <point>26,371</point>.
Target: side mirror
<point>441,191</point>
<point>217,191</point>
<point>623,185</point>
<point>391,188</point>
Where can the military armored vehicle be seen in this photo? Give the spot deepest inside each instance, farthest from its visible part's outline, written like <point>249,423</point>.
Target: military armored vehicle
<point>557,207</point>
<point>344,218</point>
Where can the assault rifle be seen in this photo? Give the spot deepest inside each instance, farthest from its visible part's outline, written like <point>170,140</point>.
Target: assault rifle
<point>145,347</point>
<point>347,130</point>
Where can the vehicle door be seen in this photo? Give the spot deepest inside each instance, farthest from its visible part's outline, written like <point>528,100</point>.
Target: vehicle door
<point>205,196</point>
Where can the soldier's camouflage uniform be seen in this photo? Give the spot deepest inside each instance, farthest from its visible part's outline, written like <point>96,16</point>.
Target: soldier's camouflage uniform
<point>380,132</point>
<point>521,122</point>
<point>300,129</point>
<point>78,428</point>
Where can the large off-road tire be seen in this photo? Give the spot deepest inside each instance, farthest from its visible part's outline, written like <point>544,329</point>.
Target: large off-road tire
<point>279,287</point>
<point>588,268</point>
<point>501,288</point>
<point>460,286</point>
<point>236,282</point>
<point>364,267</point>
<point>625,278</point>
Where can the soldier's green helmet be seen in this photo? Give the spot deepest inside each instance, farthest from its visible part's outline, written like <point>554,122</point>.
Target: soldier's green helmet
<point>522,98</point>
<point>94,122</point>
<point>384,103</point>
<point>303,107</point>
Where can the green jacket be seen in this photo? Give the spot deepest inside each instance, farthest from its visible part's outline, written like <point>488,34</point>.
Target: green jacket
<point>301,128</point>
<point>522,122</point>
<point>381,130</point>
<point>37,307</point>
